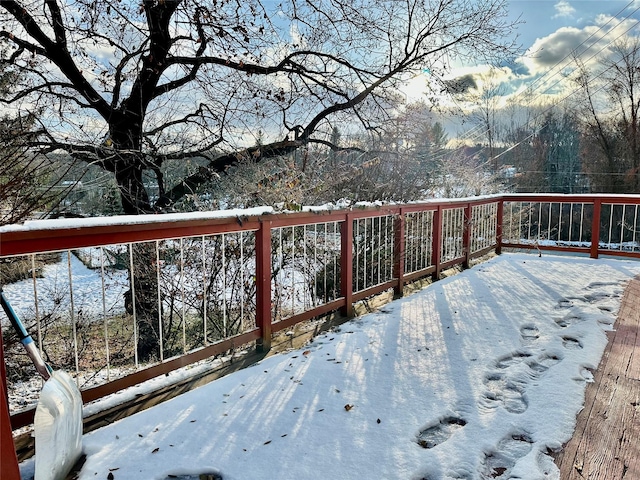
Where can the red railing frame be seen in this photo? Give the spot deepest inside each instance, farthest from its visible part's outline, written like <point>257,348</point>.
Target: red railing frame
<point>436,247</point>
<point>595,227</point>
<point>399,253</point>
<point>9,469</point>
<point>22,241</point>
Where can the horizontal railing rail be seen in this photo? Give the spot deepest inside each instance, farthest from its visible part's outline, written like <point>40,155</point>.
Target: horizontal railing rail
<point>117,301</point>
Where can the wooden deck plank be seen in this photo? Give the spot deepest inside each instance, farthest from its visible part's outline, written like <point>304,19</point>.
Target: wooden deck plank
<point>605,442</point>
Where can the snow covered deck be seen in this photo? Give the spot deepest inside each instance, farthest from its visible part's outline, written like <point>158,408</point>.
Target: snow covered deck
<point>478,376</point>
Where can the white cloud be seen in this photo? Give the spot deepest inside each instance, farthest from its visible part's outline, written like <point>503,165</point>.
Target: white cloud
<point>563,9</point>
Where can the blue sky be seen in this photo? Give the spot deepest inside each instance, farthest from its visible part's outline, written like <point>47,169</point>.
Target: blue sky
<point>552,30</point>
<point>550,33</point>
<point>544,17</point>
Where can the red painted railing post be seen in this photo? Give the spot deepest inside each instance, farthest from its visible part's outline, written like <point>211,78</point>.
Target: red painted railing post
<point>399,253</point>
<point>263,285</point>
<point>436,247</point>
<point>346,265</point>
<point>9,465</point>
<point>499,224</point>
<point>595,227</point>
<point>466,235</point>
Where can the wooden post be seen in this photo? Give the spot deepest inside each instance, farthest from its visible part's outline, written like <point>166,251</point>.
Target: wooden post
<point>263,285</point>
<point>346,265</point>
<point>436,247</point>
<point>9,465</point>
<point>399,253</point>
<point>595,227</point>
<point>466,235</point>
<point>499,223</point>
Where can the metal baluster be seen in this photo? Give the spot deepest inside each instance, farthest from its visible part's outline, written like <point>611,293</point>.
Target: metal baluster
<point>559,238</point>
<point>549,213</point>
<point>379,250</point>
<point>528,222</point>
<point>429,238</point>
<point>104,315</point>
<point>293,270</point>
<point>635,226</point>
<point>243,325</point>
<point>134,308</point>
<point>35,299</point>
<point>622,220</point>
<point>449,223</point>
<point>304,266</point>
<point>610,224</point>
<point>476,225</point>
<point>415,250</point>
<point>204,292</point>
<point>336,242</point>
<point>224,287</point>
<point>581,221</point>
<point>459,223</point>
<point>407,241</point>
<point>511,222</point>
<point>364,259</point>
<point>184,316</point>
<point>539,221</point>
<point>324,262</point>
<point>160,332</point>
<point>570,220</point>
<point>372,248</point>
<point>357,245</point>
<point>314,284</point>
<point>73,317</point>
<point>419,219</point>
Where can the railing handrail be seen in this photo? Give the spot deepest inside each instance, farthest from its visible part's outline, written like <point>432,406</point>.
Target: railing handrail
<point>42,236</point>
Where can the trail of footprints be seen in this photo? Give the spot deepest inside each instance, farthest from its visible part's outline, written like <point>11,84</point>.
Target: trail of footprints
<point>506,384</point>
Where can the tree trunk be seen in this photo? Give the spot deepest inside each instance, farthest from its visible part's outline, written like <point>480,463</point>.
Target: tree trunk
<point>143,278</point>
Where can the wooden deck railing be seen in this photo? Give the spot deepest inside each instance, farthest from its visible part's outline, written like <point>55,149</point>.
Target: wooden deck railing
<point>225,281</point>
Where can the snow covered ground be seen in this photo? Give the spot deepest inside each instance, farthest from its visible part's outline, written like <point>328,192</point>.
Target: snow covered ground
<point>477,376</point>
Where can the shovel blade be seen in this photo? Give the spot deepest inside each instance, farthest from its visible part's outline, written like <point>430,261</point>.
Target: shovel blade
<point>58,427</point>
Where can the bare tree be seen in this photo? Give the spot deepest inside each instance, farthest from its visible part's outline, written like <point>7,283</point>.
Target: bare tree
<point>610,114</point>
<point>28,181</point>
<point>129,86</point>
<point>484,94</point>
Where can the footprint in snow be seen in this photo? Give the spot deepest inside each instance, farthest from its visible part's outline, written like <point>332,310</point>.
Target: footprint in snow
<point>529,333</point>
<point>512,359</point>
<point>549,359</point>
<point>435,434</point>
<point>197,476</point>
<point>596,297</point>
<point>564,303</point>
<point>571,343</point>
<point>593,285</point>
<point>499,463</point>
<point>567,320</point>
<point>503,391</point>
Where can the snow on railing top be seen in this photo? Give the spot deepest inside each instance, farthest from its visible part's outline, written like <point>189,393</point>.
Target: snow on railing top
<point>122,220</point>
